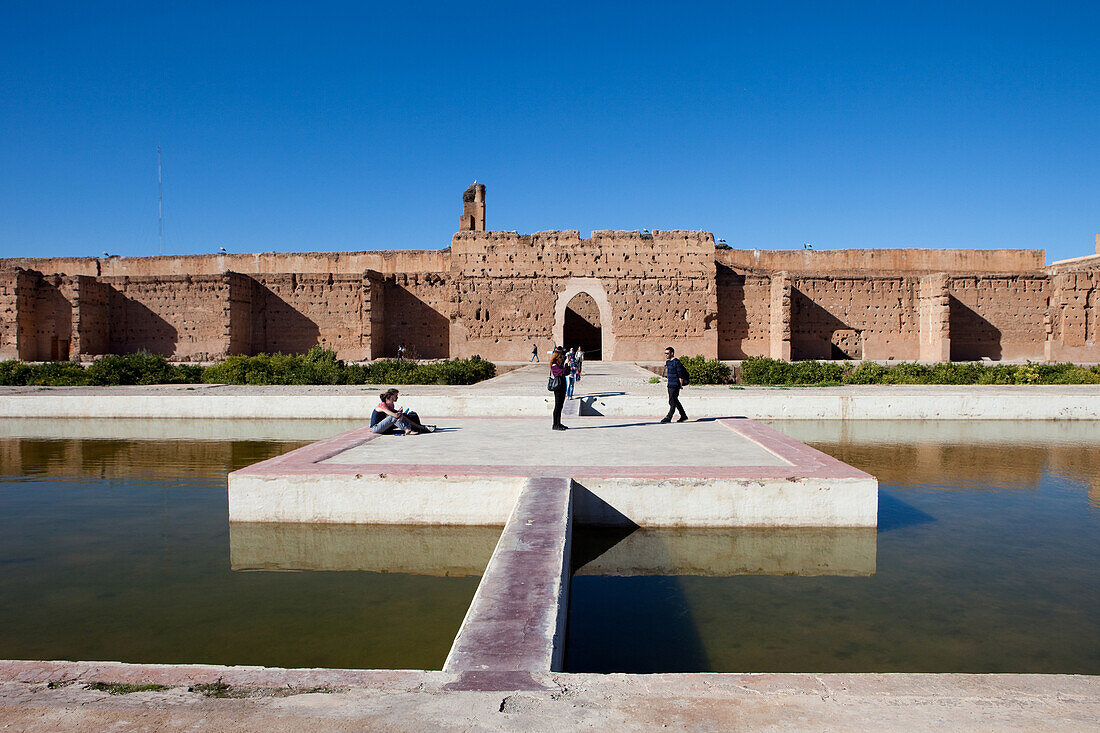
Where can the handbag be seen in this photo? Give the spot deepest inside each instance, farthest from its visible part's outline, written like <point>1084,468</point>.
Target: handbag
<point>553,384</point>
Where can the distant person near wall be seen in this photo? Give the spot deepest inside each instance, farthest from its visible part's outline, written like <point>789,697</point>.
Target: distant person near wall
<point>570,372</point>
<point>677,378</point>
<point>534,354</point>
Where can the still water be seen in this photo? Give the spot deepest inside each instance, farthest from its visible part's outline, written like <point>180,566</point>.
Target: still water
<point>985,560</point>
<point>115,545</point>
<point>116,548</point>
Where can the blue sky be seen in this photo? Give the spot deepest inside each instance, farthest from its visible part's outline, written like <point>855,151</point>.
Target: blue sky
<point>347,126</point>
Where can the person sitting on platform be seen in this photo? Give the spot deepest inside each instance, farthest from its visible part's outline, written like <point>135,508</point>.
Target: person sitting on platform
<point>387,419</point>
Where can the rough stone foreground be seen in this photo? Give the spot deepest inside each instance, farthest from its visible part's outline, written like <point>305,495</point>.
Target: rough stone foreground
<point>417,701</point>
<point>619,389</point>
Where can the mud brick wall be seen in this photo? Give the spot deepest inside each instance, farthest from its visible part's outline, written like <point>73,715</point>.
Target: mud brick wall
<point>998,316</point>
<point>887,261</point>
<point>240,313</point>
<point>13,304</point>
<point>852,317</point>
<point>91,317</point>
<point>417,310</point>
<point>183,317</point>
<point>345,263</point>
<point>743,313</point>
<point>36,319</point>
<point>52,325</point>
<point>291,313</point>
<point>651,290</point>
<point>1074,320</point>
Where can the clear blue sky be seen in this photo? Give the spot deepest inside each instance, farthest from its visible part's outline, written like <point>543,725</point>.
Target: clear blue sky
<point>333,126</point>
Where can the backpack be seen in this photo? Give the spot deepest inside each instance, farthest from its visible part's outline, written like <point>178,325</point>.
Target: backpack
<point>684,380</point>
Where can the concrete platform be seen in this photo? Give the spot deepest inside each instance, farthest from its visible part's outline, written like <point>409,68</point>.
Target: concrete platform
<point>709,473</point>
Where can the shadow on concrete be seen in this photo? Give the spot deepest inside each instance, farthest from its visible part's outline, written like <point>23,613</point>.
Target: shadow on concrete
<point>591,511</point>
<point>654,421</point>
<point>893,513</point>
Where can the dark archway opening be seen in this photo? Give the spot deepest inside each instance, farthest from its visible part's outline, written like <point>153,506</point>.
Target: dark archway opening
<point>582,326</point>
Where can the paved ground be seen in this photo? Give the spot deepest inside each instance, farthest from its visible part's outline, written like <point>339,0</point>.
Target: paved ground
<point>590,441</point>
<point>288,700</point>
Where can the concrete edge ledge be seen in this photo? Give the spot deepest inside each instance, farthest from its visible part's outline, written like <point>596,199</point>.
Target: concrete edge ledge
<point>424,700</point>
<point>797,404</point>
<point>1081,686</point>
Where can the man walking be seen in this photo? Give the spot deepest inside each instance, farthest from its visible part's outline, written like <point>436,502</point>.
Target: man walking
<point>534,354</point>
<point>677,377</point>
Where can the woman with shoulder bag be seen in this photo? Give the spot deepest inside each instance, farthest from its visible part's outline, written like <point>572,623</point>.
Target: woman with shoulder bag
<point>556,384</point>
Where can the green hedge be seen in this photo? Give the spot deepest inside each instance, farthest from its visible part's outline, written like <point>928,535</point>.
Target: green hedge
<point>761,370</point>
<point>706,371</point>
<point>319,366</point>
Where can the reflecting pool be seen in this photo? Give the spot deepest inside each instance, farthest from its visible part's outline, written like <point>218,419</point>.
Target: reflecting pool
<point>115,545</point>
<point>985,560</point>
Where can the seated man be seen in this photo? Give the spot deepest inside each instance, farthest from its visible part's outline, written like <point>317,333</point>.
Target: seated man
<point>387,419</point>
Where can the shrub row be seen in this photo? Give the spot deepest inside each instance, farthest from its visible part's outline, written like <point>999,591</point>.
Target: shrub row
<point>762,370</point>
<point>319,366</point>
<point>706,371</point>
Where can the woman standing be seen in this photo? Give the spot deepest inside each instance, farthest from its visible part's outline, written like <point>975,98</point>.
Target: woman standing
<point>558,369</point>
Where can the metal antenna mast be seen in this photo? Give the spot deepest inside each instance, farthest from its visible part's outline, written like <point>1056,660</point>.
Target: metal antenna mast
<point>160,206</point>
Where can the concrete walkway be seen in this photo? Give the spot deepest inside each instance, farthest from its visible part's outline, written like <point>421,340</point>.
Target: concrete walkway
<point>52,696</point>
<point>618,389</point>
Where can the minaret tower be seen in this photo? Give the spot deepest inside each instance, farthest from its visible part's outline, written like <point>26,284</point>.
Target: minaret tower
<point>473,209</point>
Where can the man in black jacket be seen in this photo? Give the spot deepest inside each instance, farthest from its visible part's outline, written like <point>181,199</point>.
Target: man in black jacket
<point>677,377</point>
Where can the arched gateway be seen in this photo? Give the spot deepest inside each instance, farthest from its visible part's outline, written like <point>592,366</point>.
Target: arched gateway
<point>582,317</point>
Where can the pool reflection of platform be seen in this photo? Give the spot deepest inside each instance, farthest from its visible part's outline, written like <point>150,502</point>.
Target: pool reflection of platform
<point>463,550</point>
<point>382,548</point>
<point>802,551</point>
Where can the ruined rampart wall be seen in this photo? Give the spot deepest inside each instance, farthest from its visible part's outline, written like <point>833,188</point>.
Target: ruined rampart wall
<point>850,317</point>
<point>336,263</point>
<point>650,289</point>
<point>290,313</point>
<point>417,315</point>
<point>998,316</point>
<point>744,301</point>
<point>910,261</point>
<point>11,312</point>
<point>623,294</point>
<point>1074,319</point>
<point>36,320</point>
<point>185,316</point>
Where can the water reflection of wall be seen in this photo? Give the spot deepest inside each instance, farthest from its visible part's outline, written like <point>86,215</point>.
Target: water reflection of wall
<point>132,459</point>
<point>999,454</point>
<point>443,550</point>
<point>227,429</point>
<point>740,551</point>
